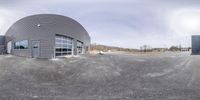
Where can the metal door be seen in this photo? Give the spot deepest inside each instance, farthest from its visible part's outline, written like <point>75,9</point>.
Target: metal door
<point>35,49</point>
<point>9,46</point>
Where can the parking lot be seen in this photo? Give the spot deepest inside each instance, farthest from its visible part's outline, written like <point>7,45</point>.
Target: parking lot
<point>168,76</point>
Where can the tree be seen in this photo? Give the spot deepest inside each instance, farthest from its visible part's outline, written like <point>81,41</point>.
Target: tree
<point>146,48</point>
<point>174,48</point>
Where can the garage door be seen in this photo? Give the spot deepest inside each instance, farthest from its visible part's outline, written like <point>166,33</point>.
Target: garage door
<point>63,46</point>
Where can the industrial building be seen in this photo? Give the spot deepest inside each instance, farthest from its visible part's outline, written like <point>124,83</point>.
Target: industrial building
<point>45,36</point>
<point>196,44</point>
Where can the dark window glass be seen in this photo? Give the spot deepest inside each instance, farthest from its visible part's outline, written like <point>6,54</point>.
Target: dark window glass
<point>16,45</point>
<point>64,49</point>
<point>65,53</point>
<point>58,49</point>
<point>21,44</point>
<point>58,54</point>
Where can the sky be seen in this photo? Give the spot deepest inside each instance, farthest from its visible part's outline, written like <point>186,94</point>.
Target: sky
<point>122,23</point>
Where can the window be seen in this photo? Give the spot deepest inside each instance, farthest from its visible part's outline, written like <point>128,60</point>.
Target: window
<point>21,44</point>
<point>24,44</point>
<point>79,47</point>
<point>63,45</point>
<point>16,45</point>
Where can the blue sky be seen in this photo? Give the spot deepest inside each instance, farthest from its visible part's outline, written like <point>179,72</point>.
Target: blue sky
<point>123,23</point>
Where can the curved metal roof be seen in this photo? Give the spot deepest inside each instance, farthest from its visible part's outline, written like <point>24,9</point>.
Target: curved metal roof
<point>49,23</point>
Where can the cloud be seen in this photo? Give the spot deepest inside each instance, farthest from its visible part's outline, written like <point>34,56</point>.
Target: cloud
<point>185,21</point>
<point>7,18</point>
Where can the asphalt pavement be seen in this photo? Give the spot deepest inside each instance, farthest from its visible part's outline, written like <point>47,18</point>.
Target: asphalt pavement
<point>168,76</point>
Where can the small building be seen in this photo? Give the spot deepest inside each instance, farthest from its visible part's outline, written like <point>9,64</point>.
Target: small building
<point>2,45</point>
<point>46,36</point>
<point>196,44</point>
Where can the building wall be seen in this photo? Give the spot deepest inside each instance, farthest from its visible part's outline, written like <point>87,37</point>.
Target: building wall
<point>2,45</point>
<point>196,44</point>
<point>43,28</point>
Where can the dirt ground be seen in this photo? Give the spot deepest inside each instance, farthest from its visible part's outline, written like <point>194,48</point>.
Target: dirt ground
<point>168,76</point>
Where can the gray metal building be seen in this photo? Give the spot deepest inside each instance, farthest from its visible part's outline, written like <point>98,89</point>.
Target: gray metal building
<point>47,36</point>
<point>196,44</point>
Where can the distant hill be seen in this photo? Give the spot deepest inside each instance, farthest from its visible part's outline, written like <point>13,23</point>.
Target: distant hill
<point>144,48</point>
<point>105,48</point>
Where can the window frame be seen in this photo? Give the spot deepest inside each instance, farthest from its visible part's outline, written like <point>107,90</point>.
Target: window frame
<point>21,45</point>
<point>63,45</point>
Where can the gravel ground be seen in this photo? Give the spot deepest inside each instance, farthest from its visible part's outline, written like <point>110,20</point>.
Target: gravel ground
<point>169,76</point>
